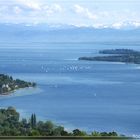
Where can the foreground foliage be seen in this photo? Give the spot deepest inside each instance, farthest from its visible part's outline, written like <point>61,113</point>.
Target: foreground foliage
<point>11,125</point>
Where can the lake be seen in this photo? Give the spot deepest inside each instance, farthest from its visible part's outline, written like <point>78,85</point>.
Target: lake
<point>101,96</point>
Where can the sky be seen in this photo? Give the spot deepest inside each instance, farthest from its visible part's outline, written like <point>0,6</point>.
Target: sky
<point>96,13</point>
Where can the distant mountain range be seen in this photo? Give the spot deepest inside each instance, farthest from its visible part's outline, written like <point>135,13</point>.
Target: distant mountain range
<point>66,33</point>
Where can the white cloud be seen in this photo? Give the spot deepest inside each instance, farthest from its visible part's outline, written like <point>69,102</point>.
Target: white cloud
<point>28,11</point>
<point>126,24</point>
<point>117,25</point>
<point>68,12</point>
<point>57,7</point>
<point>84,12</point>
<point>39,6</point>
<point>50,9</point>
<point>17,10</point>
<point>136,24</point>
<point>32,4</point>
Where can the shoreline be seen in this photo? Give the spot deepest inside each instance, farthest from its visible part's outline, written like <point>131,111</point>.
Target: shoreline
<point>13,91</point>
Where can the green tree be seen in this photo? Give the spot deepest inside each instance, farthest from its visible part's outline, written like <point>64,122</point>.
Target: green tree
<point>33,121</point>
<point>10,125</point>
<point>34,133</point>
<point>34,116</point>
<point>58,131</point>
<point>112,134</point>
<point>77,132</point>
<point>45,128</point>
<point>95,133</point>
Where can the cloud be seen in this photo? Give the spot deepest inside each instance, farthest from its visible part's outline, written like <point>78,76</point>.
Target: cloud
<point>57,7</point>
<point>117,25</point>
<point>50,9</point>
<point>137,24</point>
<point>17,10</point>
<point>84,12</point>
<point>81,13</point>
<point>28,11</point>
<point>126,24</point>
<point>32,4</point>
<point>40,6</point>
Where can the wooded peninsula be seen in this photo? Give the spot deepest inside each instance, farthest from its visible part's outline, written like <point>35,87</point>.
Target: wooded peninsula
<point>116,55</point>
<point>8,84</point>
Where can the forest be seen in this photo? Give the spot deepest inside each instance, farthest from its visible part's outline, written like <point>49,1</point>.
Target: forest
<point>12,124</point>
<point>116,55</point>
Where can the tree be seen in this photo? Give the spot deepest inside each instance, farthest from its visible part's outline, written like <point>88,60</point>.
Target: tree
<point>112,134</point>
<point>33,121</point>
<point>95,133</point>
<point>58,131</point>
<point>10,125</point>
<point>77,132</point>
<point>12,115</point>
<point>45,128</point>
<point>34,133</point>
<point>104,134</point>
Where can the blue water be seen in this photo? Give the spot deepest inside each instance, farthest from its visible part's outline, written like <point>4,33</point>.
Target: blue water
<point>100,96</point>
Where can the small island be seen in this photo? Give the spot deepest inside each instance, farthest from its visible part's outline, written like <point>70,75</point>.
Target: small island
<point>8,84</point>
<point>116,55</point>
